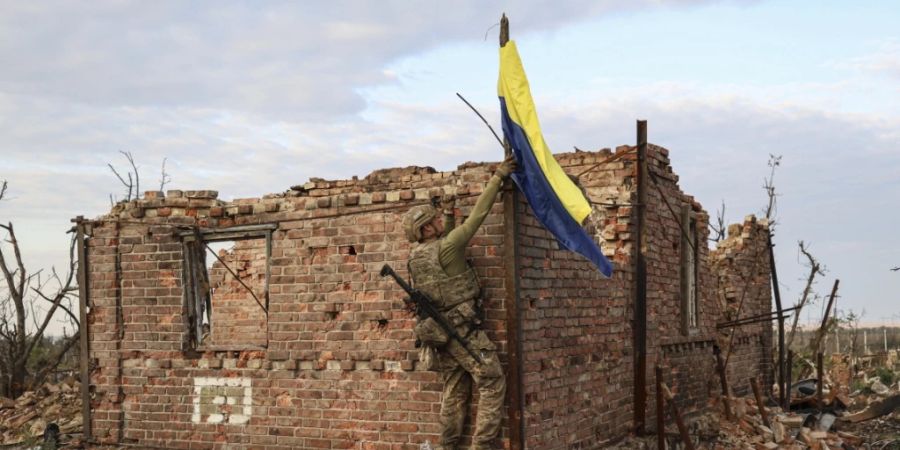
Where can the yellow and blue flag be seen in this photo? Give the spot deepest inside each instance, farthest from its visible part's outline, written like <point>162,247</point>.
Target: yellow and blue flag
<point>557,202</point>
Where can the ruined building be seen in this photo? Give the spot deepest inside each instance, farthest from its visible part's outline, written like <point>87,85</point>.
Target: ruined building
<point>264,323</point>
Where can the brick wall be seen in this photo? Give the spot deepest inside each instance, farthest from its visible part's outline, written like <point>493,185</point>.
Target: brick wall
<point>339,366</point>
<point>576,324</point>
<point>237,315</point>
<point>334,363</point>
<point>684,353</point>
<point>741,263</point>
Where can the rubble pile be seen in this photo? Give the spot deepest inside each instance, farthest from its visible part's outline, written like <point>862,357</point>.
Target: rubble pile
<point>24,420</point>
<point>859,409</point>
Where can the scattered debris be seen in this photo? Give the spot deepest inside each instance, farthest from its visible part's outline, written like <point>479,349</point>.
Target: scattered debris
<point>51,414</point>
<point>868,418</point>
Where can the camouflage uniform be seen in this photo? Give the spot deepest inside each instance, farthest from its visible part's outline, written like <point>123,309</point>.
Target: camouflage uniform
<point>439,269</point>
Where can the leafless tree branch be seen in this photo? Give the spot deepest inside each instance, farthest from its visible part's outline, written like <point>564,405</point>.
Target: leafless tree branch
<point>815,268</point>
<point>133,185</point>
<point>719,229</point>
<point>41,375</point>
<point>769,186</point>
<point>20,293</point>
<point>164,177</point>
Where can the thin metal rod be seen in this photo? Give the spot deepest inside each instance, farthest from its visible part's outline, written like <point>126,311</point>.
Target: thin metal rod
<point>606,161</point>
<point>236,277</point>
<point>749,322</point>
<point>679,422</point>
<point>723,380</point>
<point>660,414</point>
<point>821,333</point>
<point>777,292</point>
<point>640,289</point>
<point>483,120</point>
<point>775,313</point>
<point>770,315</point>
<point>684,233</point>
<point>820,376</point>
<point>754,383</point>
<point>789,366</point>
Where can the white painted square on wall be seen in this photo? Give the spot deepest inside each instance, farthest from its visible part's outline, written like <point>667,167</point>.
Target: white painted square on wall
<point>232,409</point>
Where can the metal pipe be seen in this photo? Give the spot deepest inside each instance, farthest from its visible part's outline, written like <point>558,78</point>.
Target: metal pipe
<point>748,322</point>
<point>640,291</point>
<point>754,383</point>
<point>660,414</point>
<point>777,292</point>
<point>756,316</point>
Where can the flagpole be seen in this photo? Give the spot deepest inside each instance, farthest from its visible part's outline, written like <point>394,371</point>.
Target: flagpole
<point>514,391</point>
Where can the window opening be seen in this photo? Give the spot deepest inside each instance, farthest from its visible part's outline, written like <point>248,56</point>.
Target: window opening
<point>226,280</point>
<point>689,256</point>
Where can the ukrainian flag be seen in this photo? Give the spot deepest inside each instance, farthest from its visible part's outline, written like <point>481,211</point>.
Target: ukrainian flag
<point>557,202</point>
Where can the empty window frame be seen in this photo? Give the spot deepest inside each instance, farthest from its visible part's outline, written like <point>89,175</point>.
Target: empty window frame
<point>226,287</point>
<point>690,304</point>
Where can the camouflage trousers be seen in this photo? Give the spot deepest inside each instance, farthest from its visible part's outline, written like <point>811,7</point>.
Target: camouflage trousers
<point>459,370</point>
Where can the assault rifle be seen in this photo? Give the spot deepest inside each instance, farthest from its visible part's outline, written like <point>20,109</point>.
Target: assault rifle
<point>424,308</point>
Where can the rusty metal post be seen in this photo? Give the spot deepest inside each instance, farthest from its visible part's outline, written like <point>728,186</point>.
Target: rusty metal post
<point>514,392</point>
<point>824,326</point>
<point>789,367</point>
<point>660,414</point>
<point>679,422</point>
<point>640,290</point>
<point>777,291</point>
<point>83,330</point>
<point>723,380</point>
<point>820,375</point>
<point>754,383</point>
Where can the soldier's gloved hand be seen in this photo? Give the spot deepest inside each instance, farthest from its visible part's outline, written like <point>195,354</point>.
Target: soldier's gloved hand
<point>448,201</point>
<point>507,167</point>
<point>448,204</point>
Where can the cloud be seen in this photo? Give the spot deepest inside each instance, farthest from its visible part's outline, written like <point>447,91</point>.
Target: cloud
<point>884,61</point>
<point>284,61</point>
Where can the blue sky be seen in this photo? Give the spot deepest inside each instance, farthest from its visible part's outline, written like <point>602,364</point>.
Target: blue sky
<point>251,98</point>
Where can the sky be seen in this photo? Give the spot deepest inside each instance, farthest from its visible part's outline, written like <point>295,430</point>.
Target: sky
<point>250,98</point>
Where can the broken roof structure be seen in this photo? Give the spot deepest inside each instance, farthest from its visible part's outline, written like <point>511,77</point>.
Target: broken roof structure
<point>264,323</point>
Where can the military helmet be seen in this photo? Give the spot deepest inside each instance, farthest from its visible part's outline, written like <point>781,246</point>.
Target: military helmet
<point>415,219</point>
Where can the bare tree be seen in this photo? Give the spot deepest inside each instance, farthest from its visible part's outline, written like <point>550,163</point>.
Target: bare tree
<point>815,268</point>
<point>133,185</point>
<point>20,291</point>
<point>719,229</point>
<point>769,186</point>
<point>164,177</point>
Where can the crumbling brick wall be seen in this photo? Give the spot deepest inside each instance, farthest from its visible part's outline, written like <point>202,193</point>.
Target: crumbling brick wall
<point>339,365</point>
<point>238,294</point>
<point>741,265</point>
<point>577,334</point>
<point>684,351</point>
<point>336,366</point>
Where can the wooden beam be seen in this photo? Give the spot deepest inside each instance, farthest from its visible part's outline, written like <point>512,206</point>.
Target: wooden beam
<point>84,348</point>
<point>515,394</point>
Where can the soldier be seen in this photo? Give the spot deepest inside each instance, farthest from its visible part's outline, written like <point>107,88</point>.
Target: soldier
<point>438,267</point>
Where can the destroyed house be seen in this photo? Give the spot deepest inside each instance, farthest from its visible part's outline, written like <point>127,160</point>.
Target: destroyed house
<point>264,322</point>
